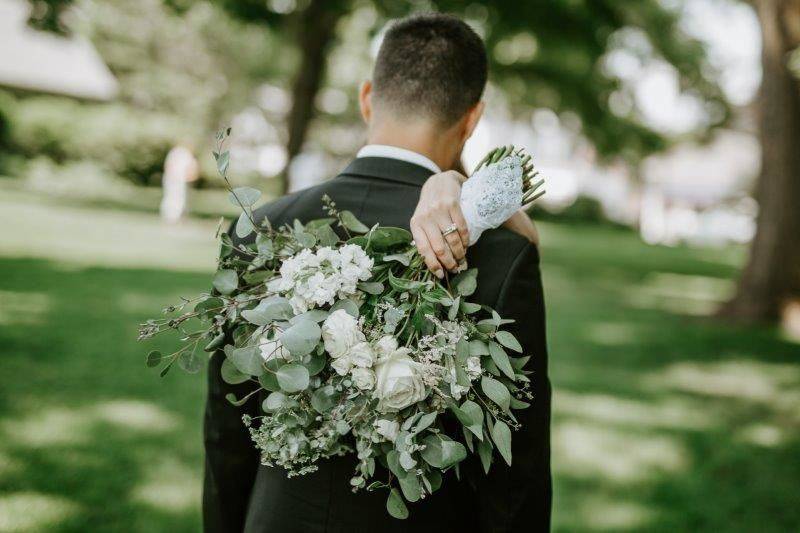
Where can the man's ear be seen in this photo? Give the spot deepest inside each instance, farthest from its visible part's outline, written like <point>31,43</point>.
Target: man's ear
<point>365,100</point>
<point>471,120</point>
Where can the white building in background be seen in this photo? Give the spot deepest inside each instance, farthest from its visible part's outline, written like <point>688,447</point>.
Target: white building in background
<point>39,62</point>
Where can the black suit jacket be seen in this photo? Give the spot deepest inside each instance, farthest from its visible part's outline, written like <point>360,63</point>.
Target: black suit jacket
<point>239,494</point>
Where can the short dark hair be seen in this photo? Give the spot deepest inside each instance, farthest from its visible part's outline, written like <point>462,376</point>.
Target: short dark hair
<point>432,65</point>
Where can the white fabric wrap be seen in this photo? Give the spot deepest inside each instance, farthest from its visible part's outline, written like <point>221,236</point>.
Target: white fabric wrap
<point>491,196</point>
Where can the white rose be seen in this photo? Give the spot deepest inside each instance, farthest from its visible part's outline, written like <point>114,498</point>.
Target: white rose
<point>361,355</point>
<point>340,333</point>
<point>342,365</point>
<point>272,349</point>
<point>363,378</point>
<point>386,346</point>
<point>473,366</point>
<point>388,429</point>
<point>399,382</point>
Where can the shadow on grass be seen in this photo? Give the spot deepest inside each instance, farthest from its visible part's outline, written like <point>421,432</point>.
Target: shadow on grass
<point>90,439</point>
<point>663,419</point>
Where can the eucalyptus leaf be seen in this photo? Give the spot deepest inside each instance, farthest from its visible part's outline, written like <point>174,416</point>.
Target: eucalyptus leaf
<point>509,341</point>
<point>411,487</point>
<point>485,453</point>
<point>322,400</point>
<point>442,452</point>
<point>384,238</point>
<point>478,347</point>
<point>225,281</point>
<point>230,374</point>
<point>274,401</point>
<point>248,360</point>
<point>350,222</point>
<point>396,506</point>
<point>223,160</point>
<point>269,310</point>
<point>215,343</point>
<point>348,305</point>
<point>189,362</point>
<point>154,359</point>
<point>371,287</point>
<point>466,282</point>
<point>244,196</point>
<point>500,358</point>
<point>501,435</point>
<point>293,378</point>
<point>244,226</point>
<point>314,315</point>
<point>496,391</point>
<point>476,415</point>
<point>301,338</point>
<point>468,308</point>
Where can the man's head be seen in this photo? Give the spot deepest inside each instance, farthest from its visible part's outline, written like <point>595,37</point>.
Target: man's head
<point>430,72</point>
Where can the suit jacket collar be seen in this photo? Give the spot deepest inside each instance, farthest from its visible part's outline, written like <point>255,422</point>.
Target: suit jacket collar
<point>389,169</point>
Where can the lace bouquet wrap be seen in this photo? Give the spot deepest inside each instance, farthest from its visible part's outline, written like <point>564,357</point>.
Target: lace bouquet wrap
<point>498,187</point>
<point>348,344</point>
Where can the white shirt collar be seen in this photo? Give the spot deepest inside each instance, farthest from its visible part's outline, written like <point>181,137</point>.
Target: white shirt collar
<point>395,152</point>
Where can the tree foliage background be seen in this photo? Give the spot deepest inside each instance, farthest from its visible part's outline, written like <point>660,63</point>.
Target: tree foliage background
<point>198,61</point>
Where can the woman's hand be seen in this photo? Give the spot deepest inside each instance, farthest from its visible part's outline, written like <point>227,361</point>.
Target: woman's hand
<point>437,213</point>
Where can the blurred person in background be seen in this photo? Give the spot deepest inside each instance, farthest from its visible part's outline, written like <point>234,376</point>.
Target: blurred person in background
<point>180,169</point>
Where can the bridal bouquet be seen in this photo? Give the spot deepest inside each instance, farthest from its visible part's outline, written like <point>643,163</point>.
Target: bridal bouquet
<point>352,345</point>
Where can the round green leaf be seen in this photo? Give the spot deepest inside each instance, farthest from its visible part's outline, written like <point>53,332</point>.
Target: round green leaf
<point>248,360</point>
<point>244,196</point>
<point>274,401</point>
<point>153,359</point>
<point>293,378</point>
<point>230,374</point>
<point>225,281</point>
<point>396,506</point>
<point>442,452</point>
<point>301,338</point>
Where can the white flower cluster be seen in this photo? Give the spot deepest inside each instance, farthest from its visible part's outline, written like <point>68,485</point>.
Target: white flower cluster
<point>386,367</point>
<point>314,279</point>
<point>349,350</point>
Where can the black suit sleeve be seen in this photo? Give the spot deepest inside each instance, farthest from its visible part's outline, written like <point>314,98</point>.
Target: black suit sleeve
<point>231,458</point>
<point>518,498</point>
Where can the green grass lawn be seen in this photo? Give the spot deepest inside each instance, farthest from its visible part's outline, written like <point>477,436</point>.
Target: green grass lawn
<point>663,419</point>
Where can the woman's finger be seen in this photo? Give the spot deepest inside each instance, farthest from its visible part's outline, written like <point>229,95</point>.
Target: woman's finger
<point>439,246</point>
<point>452,239</point>
<point>425,250</point>
<point>457,216</point>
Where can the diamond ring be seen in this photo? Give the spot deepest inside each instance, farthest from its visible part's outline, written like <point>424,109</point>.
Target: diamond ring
<point>452,228</point>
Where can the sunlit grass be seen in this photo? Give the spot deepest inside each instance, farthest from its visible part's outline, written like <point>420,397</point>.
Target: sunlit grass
<point>662,421</point>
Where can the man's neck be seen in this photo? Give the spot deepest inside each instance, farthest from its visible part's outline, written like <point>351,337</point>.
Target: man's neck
<point>415,139</point>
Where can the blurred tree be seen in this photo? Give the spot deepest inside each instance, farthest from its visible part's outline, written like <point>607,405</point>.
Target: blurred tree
<point>183,66</point>
<point>771,278</point>
<point>543,54</point>
<point>311,27</point>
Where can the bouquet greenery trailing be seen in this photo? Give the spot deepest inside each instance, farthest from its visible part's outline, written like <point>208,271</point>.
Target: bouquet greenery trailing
<point>352,345</point>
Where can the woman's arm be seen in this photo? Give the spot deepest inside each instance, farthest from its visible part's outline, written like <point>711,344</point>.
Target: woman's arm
<point>438,209</point>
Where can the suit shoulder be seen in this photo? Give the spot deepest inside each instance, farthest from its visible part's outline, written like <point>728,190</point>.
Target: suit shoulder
<point>503,247</point>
